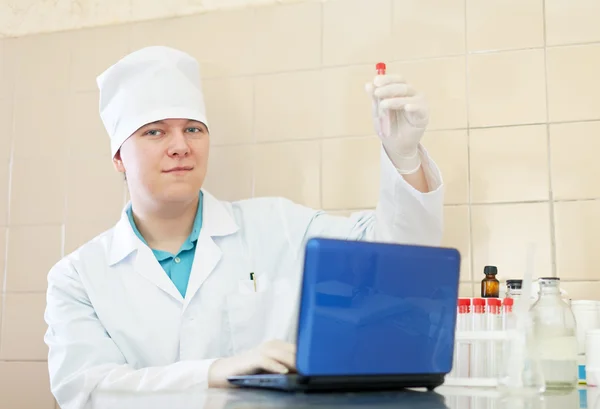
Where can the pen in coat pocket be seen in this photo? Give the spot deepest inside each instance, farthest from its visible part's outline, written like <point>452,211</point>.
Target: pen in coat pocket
<point>253,279</point>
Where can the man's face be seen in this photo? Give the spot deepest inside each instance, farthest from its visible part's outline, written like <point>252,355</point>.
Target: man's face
<point>165,161</point>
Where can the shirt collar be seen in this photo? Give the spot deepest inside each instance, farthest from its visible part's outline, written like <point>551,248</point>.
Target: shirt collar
<point>215,220</point>
<point>192,238</point>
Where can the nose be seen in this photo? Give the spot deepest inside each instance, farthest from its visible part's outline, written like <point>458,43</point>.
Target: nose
<point>178,144</point>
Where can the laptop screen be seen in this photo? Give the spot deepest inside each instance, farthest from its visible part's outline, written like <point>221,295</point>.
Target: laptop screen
<point>377,309</point>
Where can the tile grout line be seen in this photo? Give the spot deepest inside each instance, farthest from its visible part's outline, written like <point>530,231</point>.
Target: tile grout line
<point>9,200</point>
<point>321,206</point>
<point>392,9</point>
<point>253,144</point>
<point>551,209</point>
<point>254,77</point>
<point>391,61</point>
<point>347,209</point>
<point>66,173</point>
<point>469,191</point>
<point>10,184</point>
<point>503,278</point>
<point>38,292</point>
<point>24,361</point>
<point>322,125</point>
<point>432,131</point>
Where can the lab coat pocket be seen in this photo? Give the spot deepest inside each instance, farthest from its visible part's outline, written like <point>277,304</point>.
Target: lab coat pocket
<point>250,286</point>
<point>255,317</point>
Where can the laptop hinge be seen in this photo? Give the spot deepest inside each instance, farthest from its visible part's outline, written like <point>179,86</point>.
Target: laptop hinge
<point>303,380</point>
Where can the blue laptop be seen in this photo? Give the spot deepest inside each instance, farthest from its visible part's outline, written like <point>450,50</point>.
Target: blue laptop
<point>372,316</point>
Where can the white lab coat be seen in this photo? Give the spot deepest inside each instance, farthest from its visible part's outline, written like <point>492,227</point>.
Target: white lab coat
<point>116,321</point>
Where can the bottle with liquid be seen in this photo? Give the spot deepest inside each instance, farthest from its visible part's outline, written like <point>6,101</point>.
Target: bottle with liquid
<point>555,336</point>
<point>490,286</point>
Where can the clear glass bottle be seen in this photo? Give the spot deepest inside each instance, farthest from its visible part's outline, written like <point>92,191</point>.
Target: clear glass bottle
<point>555,337</point>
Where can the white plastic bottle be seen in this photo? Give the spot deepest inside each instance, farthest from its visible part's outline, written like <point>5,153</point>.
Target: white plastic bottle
<point>587,317</point>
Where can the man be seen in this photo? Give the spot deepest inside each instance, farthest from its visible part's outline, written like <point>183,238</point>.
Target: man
<point>165,299</point>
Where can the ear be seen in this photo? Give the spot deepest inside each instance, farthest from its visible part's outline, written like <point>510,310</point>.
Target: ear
<point>118,163</point>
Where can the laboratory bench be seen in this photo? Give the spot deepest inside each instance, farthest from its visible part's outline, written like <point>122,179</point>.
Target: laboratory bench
<point>444,397</point>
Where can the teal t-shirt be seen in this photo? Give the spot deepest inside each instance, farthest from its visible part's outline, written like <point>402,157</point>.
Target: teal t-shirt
<point>177,266</point>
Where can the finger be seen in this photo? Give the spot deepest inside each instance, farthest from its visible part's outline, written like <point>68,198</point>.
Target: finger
<point>394,90</point>
<point>281,351</point>
<point>415,108</point>
<point>291,348</point>
<point>418,114</point>
<point>395,103</point>
<point>271,365</point>
<point>277,343</point>
<point>369,87</point>
<point>381,80</point>
<point>283,356</point>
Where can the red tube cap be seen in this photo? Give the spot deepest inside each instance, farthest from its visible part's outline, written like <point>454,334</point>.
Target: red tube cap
<point>508,301</point>
<point>380,67</point>
<point>464,301</point>
<point>478,301</point>
<point>494,302</point>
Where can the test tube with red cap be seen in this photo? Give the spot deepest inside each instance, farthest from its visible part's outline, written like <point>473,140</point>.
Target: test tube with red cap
<point>458,358</point>
<point>494,323</point>
<point>478,348</point>
<point>463,349</point>
<point>382,120</point>
<point>507,313</point>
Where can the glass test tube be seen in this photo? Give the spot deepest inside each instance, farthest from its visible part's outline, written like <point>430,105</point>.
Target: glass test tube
<point>478,350</point>
<point>464,347</point>
<point>494,323</point>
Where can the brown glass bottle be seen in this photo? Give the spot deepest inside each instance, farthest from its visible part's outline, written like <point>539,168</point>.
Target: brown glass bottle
<point>490,286</point>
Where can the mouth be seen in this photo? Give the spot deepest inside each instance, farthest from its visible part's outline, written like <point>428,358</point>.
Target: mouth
<point>179,169</point>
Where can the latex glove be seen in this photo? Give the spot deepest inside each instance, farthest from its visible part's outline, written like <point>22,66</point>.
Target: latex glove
<point>400,117</point>
<point>269,357</point>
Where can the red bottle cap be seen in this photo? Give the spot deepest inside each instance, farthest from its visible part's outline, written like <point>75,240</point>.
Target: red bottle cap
<point>508,301</point>
<point>380,67</point>
<point>495,302</point>
<point>464,301</point>
<point>478,301</point>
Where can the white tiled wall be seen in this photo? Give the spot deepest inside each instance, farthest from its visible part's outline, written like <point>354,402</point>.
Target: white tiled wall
<point>515,122</point>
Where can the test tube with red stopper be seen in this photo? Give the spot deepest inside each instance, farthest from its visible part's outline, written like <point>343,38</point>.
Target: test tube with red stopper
<point>382,120</point>
<point>494,323</point>
<point>463,350</point>
<point>478,348</point>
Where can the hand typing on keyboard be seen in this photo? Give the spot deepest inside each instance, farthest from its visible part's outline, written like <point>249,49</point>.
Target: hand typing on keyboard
<point>270,357</point>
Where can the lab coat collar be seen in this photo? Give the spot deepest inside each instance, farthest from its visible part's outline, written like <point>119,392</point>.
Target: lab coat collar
<point>216,221</point>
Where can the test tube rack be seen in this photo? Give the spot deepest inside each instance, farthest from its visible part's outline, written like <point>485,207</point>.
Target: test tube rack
<point>470,338</point>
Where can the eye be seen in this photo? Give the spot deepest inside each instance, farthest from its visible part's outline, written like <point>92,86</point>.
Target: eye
<point>194,130</point>
<point>153,132</point>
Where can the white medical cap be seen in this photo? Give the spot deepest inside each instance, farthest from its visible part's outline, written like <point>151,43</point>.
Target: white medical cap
<point>149,85</point>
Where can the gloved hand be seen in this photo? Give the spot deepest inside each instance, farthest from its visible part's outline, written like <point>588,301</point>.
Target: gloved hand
<point>400,116</point>
<point>270,357</point>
